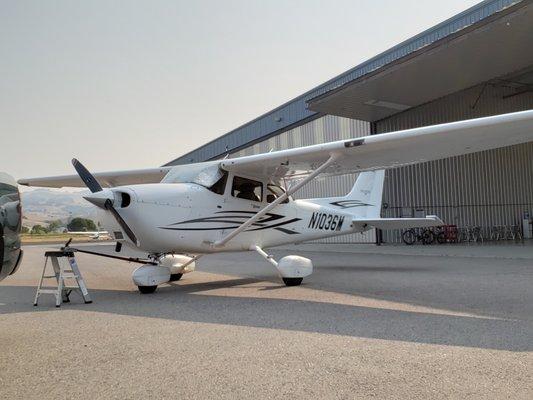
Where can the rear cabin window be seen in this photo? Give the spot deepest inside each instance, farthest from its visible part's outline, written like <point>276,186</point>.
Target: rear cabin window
<point>248,189</point>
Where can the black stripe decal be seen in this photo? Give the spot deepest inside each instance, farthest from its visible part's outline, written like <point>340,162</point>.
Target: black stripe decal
<point>226,219</point>
<point>288,232</point>
<point>275,225</point>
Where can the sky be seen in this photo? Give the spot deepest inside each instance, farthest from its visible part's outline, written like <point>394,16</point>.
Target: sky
<point>135,84</point>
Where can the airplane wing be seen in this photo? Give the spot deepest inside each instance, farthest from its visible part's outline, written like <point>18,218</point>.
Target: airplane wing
<point>393,149</point>
<point>382,151</point>
<point>106,179</point>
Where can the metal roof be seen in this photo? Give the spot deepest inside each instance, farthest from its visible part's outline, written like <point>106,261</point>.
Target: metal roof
<point>296,112</point>
<point>491,49</point>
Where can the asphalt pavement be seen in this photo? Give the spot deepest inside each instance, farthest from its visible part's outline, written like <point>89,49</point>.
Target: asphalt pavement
<point>369,323</point>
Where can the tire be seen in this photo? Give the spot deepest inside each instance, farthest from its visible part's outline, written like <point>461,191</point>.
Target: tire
<point>441,238</point>
<point>292,281</point>
<point>409,237</point>
<point>428,237</point>
<point>147,289</point>
<point>175,277</point>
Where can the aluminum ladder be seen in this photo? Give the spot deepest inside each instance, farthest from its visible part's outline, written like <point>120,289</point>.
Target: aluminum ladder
<point>62,271</point>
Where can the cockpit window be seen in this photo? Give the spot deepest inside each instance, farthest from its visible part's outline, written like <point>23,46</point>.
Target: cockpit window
<point>275,191</point>
<point>244,188</point>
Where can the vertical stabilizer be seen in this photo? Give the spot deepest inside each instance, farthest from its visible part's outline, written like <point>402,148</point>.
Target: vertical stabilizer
<point>364,200</point>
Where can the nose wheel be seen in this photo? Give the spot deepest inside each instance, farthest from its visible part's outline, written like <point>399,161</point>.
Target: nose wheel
<point>147,289</point>
<point>292,281</point>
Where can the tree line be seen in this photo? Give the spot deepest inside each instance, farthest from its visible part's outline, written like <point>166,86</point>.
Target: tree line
<point>75,225</point>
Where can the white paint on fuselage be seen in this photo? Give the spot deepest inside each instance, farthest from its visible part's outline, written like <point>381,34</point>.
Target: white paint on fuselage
<point>189,218</point>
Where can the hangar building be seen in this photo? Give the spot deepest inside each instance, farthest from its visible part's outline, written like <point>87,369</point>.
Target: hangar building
<point>477,63</point>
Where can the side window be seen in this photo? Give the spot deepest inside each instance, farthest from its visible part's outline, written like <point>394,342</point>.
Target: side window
<point>244,188</point>
<point>220,185</point>
<point>273,192</point>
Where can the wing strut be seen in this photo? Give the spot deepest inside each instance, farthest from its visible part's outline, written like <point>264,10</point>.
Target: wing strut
<point>332,158</point>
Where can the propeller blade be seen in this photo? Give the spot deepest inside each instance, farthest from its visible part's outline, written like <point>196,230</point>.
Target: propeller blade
<point>109,206</point>
<point>86,176</point>
<point>93,185</point>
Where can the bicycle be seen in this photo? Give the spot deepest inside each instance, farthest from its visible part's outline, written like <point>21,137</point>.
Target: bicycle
<point>413,235</point>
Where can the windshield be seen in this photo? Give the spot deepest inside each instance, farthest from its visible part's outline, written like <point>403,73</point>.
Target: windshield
<point>204,174</point>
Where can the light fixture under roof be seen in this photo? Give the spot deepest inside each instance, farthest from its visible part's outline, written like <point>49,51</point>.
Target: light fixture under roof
<point>387,104</point>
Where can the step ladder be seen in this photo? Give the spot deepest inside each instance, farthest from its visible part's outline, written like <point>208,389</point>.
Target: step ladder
<point>62,271</point>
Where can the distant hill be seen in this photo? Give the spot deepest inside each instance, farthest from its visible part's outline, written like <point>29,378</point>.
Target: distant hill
<point>42,205</point>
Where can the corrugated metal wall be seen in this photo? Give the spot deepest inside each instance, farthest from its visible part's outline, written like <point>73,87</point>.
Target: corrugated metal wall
<point>321,130</point>
<point>482,189</point>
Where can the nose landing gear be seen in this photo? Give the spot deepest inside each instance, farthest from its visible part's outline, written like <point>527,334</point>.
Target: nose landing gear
<point>169,268</point>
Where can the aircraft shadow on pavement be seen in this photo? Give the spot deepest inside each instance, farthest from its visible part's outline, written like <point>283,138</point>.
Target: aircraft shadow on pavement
<point>185,302</point>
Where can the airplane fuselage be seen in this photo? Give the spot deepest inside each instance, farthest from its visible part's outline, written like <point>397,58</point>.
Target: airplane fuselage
<point>189,218</point>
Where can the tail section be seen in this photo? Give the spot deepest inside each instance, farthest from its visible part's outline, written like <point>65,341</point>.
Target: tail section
<point>364,204</point>
<point>363,201</point>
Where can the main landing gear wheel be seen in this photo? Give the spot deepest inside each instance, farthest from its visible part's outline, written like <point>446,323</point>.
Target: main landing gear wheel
<point>175,277</point>
<point>292,281</point>
<point>147,289</point>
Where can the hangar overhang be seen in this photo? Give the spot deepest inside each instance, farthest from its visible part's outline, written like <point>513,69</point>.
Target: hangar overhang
<point>500,47</point>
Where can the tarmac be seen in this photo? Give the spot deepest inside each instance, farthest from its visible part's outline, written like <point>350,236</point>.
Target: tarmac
<point>420,322</point>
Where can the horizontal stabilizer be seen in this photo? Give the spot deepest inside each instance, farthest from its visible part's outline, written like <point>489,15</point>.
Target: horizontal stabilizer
<point>400,223</point>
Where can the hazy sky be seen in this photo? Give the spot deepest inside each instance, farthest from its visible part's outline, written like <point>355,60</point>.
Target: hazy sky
<point>134,84</point>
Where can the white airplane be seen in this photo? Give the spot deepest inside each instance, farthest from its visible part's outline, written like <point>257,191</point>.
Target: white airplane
<point>176,214</point>
<point>92,234</point>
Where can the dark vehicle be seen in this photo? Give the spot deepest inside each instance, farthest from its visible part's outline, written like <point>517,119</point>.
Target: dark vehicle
<point>10,226</point>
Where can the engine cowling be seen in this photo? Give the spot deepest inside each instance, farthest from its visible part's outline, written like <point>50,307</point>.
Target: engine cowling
<point>10,226</point>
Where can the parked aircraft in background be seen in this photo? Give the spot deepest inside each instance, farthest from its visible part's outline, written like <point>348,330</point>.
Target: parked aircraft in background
<point>92,235</point>
<point>176,214</point>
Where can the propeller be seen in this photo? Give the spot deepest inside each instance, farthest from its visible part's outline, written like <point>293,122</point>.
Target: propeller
<point>93,185</point>
<point>86,176</point>
<point>109,207</point>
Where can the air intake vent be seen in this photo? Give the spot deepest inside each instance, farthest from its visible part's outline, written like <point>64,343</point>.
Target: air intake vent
<point>125,200</point>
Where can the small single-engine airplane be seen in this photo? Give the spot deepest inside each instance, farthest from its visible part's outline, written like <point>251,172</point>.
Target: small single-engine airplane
<point>95,235</point>
<point>176,214</point>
